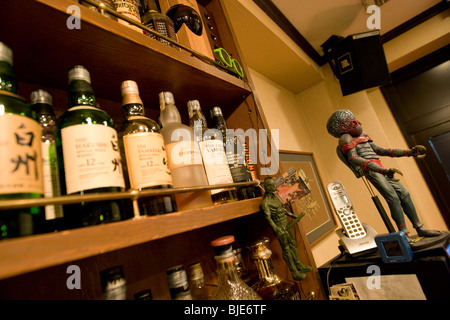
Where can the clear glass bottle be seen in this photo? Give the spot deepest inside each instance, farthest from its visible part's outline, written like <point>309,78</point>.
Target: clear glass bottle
<point>114,284</point>
<point>213,154</point>
<point>155,20</point>
<point>88,155</point>
<point>178,283</point>
<point>20,149</point>
<point>42,104</point>
<point>185,161</point>
<point>130,9</point>
<point>270,286</point>
<point>235,151</point>
<point>197,284</point>
<point>250,276</point>
<point>230,285</point>
<point>144,154</point>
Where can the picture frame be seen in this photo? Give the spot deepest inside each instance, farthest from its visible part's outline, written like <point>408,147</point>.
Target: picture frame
<point>319,220</point>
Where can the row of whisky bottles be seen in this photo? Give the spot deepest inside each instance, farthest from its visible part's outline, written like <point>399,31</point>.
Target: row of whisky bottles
<point>82,153</point>
<point>234,280</point>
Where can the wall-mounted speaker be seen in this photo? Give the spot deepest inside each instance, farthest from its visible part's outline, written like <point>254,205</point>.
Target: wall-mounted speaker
<point>359,62</point>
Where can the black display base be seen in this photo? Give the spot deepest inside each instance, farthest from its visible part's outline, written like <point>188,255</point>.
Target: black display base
<point>426,242</point>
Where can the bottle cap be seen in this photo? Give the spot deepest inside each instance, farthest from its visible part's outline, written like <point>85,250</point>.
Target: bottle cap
<point>165,98</point>
<point>79,73</point>
<point>193,105</point>
<point>176,276</point>
<point>223,246</point>
<point>216,111</point>
<point>41,96</point>
<point>129,87</point>
<point>6,53</point>
<point>196,271</point>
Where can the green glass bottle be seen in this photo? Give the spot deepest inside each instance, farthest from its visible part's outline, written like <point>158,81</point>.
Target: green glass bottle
<point>88,155</point>
<point>144,154</point>
<point>20,150</point>
<point>41,103</point>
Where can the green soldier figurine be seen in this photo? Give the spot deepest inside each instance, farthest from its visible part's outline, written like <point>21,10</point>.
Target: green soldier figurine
<point>277,216</point>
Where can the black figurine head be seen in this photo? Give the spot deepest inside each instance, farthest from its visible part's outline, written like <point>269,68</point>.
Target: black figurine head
<point>181,13</point>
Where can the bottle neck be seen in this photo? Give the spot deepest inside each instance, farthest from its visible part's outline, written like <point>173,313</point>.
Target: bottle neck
<point>169,114</point>
<point>226,268</point>
<point>8,81</point>
<point>81,94</point>
<point>266,271</point>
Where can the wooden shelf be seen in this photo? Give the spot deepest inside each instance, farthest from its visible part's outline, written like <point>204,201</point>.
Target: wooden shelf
<point>22,255</point>
<point>112,53</point>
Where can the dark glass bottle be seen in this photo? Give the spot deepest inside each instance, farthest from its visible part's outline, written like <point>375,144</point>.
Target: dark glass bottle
<point>155,20</point>
<point>178,283</point>
<point>236,157</point>
<point>20,155</point>
<point>213,154</point>
<point>144,154</point>
<point>42,104</point>
<point>114,284</point>
<point>270,286</point>
<point>88,155</point>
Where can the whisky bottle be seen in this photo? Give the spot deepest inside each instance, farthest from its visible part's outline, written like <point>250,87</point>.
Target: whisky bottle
<point>88,154</point>
<point>230,285</point>
<point>42,104</point>
<point>270,286</point>
<point>20,150</point>
<point>213,154</point>
<point>114,284</point>
<point>144,154</point>
<point>155,20</point>
<point>185,161</point>
<point>178,283</point>
<point>130,9</point>
<point>236,155</point>
<point>198,288</point>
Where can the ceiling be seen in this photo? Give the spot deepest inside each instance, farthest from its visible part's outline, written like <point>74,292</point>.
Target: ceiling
<point>317,20</point>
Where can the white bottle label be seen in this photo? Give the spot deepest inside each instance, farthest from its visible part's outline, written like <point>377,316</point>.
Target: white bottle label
<point>215,162</point>
<point>91,157</point>
<point>147,161</point>
<point>183,153</point>
<point>20,155</point>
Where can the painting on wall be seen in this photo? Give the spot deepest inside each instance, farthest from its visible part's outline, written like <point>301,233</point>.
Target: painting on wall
<point>319,219</point>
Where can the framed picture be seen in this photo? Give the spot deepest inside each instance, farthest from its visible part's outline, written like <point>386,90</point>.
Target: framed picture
<point>319,219</point>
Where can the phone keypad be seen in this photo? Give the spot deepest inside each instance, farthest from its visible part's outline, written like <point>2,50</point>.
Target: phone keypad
<point>350,222</point>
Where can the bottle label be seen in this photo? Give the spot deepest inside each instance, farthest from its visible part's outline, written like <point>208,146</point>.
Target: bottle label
<point>215,162</point>
<point>237,161</point>
<point>130,9</point>
<point>183,153</point>
<point>91,157</point>
<point>146,160</point>
<point>51,179</point>
<point>20,155</point>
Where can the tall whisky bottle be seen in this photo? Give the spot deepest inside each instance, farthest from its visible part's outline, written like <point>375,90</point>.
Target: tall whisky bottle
<point>185,160</point>
<point>42,104</point>
<point>88,154</point>
<point>144,154</point>
<point>213,154</point>
<point>155,20</point>
<point>235,152</point>
<point>20,150</point>
<point>270,286</point>
<point>230,285</point>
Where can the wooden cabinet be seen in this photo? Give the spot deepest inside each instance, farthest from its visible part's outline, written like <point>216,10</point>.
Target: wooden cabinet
<point>44,48</point>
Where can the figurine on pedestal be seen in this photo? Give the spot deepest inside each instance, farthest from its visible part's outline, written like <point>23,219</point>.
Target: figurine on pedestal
<point>362,153</point>
<point>277,217</point>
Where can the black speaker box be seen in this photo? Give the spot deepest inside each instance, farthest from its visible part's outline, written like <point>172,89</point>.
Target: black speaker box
<point>360,63</point>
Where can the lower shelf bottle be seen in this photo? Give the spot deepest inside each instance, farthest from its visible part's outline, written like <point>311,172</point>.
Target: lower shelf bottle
<point>230,285</point>
<point>270,286</point>
<point>178,283</point>
<point>113,283</point>
<point>197,284</point>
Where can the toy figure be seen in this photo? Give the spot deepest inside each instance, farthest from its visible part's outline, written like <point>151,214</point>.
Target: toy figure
<point>362,154</point>
<point>277,216</point>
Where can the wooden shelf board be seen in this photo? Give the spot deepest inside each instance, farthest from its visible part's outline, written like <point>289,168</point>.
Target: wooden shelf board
<point>112,53</point>
<point>22,255</point>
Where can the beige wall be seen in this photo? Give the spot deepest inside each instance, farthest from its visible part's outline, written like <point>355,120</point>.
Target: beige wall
<point>301,119</point>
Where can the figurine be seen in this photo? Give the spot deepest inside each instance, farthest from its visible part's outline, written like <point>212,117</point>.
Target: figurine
<point>277,216</point>
<point>362,154</point>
